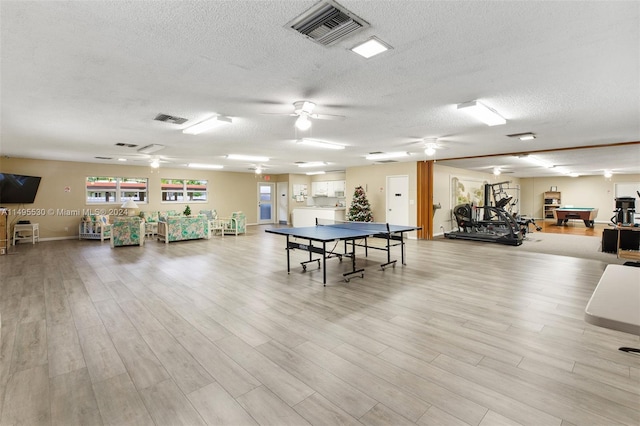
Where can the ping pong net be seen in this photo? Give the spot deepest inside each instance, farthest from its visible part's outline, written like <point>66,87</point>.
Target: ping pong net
<point>365,227</point>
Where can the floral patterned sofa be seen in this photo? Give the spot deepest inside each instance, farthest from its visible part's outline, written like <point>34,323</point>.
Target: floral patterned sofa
<point>180,228</point>
<point>127,231</point>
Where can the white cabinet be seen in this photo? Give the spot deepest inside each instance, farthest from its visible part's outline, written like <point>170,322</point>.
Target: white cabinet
<point>332,188</point>
<point>320,189</point>
<point>336,188</point>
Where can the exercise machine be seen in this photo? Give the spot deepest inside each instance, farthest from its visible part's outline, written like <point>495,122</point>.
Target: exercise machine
<point>625,211</point>
<point>488,223</point>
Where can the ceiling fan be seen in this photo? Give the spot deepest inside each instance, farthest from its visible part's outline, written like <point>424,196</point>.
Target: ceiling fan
<point>304,111</point>
<point>430,145</point>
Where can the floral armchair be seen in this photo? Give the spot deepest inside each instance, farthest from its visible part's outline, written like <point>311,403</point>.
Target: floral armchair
<point>94,227</point>
<point>236,224</point>
<point>127,231</point>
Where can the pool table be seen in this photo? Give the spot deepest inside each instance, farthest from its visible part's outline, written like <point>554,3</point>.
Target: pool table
<point>586,214</point>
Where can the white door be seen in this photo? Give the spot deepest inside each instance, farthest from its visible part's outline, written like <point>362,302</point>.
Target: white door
<point>265,202</point>
<point>398,200</point>
<point>282,189</point>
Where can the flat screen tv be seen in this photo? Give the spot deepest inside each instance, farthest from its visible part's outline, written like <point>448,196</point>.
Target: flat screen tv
<point>18,189</point>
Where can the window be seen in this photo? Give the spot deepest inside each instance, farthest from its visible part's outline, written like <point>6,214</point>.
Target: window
<point>183,190</point>
<point>116,190</point>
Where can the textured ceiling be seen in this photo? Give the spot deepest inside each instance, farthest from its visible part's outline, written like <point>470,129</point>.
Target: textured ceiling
<point>79,77</point>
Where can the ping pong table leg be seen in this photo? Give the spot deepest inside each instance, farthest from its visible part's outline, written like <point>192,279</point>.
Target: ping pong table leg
<point>324,263</point>
<point>288,261</point>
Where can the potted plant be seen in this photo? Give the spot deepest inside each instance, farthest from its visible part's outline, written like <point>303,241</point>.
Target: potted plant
<point>187,211</point>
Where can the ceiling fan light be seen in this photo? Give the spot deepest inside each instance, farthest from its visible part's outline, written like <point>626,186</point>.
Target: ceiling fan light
<point>207,124</point>
<point>608,173</point>
<point>319,144</point>
<point>430,150</point>
<point>155,164</point>
<point>303,123</point>
<point>496,171</point>
<point>483,113</point>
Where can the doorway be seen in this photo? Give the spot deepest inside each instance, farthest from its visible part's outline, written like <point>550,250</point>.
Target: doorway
<point>265,203</point>
<point>398,200</point>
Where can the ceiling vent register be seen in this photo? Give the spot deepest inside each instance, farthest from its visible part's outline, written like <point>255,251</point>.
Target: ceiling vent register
<point>170,119</point>
<point>327,23</point>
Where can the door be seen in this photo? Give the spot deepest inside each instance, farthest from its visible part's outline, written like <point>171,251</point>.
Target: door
<point>398,200</point>
<point>265,203</point>
<point>283,202</point>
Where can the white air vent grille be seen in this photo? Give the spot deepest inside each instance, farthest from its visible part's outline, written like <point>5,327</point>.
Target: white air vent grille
<point>326,23</point>
<point>170,119</point>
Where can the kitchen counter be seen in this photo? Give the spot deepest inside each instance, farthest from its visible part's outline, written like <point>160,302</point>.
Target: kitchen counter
<point>306,216</point>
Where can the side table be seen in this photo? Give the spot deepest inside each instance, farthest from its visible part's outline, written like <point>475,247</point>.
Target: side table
<point>33,228</point>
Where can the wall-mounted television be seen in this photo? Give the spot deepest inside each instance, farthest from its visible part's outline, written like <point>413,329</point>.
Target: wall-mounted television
<point>18,189</point>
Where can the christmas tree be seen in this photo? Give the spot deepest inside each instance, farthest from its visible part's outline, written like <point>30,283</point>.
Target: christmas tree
<point>360,210</point>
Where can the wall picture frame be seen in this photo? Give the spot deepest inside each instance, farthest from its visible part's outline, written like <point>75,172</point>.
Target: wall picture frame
<point>554,188</point>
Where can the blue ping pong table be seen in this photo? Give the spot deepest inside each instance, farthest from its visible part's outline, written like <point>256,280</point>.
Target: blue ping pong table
<point>352,233</point>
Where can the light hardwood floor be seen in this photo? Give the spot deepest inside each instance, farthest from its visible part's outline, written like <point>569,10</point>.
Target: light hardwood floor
<point>216,332</point>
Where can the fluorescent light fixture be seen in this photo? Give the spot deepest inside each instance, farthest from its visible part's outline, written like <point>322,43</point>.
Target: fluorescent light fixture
<point>205,166</point>
<point>371,48</point>
<point>312,164</point>
<point>151,148</point>
<point>303,122</point>
<point>207,124</point>
<point>608,173</point>
<point>538,162</point>
<point>523,136</point>
<point>319,144</point>
<point>483,113</point>
<point>251,158</point>
<point>386,155</point>
<point>320,172</point>
<point>155,164</point>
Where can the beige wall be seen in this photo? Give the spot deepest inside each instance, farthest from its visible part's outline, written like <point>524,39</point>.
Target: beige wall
<point>228,191</point>
<point>583,191</point>
<point>374,180</point>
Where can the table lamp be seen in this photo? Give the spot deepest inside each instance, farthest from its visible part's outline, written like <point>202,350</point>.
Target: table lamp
<point>131,206</point>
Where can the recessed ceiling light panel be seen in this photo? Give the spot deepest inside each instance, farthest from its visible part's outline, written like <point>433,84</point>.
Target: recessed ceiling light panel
<point>371,48</point>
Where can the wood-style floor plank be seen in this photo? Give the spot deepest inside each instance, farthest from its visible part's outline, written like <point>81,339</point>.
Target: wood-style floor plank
<point>216,332</point>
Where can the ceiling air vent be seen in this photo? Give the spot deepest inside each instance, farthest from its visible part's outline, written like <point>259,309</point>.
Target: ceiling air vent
<point>327,23</point>
<point>170,119</point>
